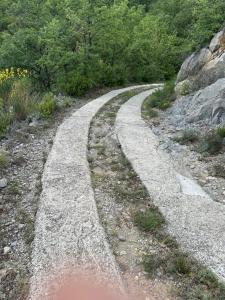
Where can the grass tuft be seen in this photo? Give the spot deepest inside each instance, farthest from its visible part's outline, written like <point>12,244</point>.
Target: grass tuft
<point>149,220</point>
<point>4,160</point>
<point>187,137</point>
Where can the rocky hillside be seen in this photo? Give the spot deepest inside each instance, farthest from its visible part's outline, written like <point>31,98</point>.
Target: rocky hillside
<point>200,86</point>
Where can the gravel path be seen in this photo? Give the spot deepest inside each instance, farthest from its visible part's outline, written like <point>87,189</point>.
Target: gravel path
<point>193,218</point>
<point>68,233</point>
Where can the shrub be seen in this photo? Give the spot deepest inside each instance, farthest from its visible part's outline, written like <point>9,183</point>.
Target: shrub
<point>47,106</point>
<point>211,143</point>
<point>5,120</point>
<point>219,171</point>
<point>221,132</point>
<point>178,263</point>
<point>188,136</point>
<point>4,160</point>
<point>162,99</point>
<point>75,84</point>
<point>21,100</point>
<point>150,220</point>
<point>152,263</point>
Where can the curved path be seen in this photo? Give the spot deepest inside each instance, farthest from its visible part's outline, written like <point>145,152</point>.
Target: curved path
<point>68,232</point>
<point>196,221</point>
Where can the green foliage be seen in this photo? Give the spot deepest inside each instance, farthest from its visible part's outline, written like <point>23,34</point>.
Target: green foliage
<point>71,48</point>
<point>149,220</point>
<point>47,106</point>
<point>221,132</point>
<point>21,101</point>
<point>195,280</point>
<point>163,98</point>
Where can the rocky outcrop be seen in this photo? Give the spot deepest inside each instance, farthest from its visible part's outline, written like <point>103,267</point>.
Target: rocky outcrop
<point>200,86</point>
<point>205,107</point>
<point>203,68</point>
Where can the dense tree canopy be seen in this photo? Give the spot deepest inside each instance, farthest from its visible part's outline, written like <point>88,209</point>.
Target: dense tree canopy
<point>72,45</point>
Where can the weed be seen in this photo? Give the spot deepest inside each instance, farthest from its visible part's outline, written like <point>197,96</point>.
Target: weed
<point>211,143</point>
<point>188,136</point>
<point>167,240</point>
<point>219,171</point>
<point>152,263</point>
<point>47,106</point>
<point>21,100</point>
<point>178,263</point>
<point>221,132</point>
<point>4,160</point>
<point>111,114</point>
<point>151,113</point>
<point>161,99</point>
<point>149,220</point>
<point>14,188</point>
<point>29,231</point>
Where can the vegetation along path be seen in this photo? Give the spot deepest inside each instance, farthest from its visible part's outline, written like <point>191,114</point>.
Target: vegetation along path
<point>193,218</point>
<point>68,231</point>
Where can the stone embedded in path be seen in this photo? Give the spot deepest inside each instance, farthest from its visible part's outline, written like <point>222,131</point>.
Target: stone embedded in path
<point>3,183</point>
<point>197,222</point>
<point>68,234</point>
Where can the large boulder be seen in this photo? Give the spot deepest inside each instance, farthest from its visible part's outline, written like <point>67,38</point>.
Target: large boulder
<point>204,107</point>
<point>203,68</point>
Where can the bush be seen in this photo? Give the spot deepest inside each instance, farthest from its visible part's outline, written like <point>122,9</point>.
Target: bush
<point>188,136</point>
<point>21,100</point>
<point>179,263</point>
<point>47,106</point>
<point>5,120</point>
<point>211,143</point>
<point>162,99</point>
<point>150,220</point>
<point>221,132</point>
<point>219,171</point>
<point>75,84</point>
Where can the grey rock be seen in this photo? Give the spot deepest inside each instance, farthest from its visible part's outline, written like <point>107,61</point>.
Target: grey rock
<point>216,41</point>
<point>193,64</point>
<point>203,68</point>
<point>6,250</point>
<point>3,183</point>
<point>121,238</point>
<point>207,105</point>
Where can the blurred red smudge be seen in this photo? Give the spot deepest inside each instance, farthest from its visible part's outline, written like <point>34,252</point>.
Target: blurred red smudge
<point>85,288</point>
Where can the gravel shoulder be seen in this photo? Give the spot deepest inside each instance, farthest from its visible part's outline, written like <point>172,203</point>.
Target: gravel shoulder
<point>195,220</point>
<point>24,151</point>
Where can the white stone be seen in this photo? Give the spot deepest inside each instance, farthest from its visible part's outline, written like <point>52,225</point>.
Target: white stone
<point>6,250</point>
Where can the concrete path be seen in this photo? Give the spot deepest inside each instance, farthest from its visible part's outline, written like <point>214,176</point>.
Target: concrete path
<point>196,221</point>
<point>68,232</point>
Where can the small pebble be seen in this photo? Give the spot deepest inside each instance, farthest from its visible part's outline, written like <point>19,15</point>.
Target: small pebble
<point>6,250</point>
<point>3,183</point>
<point>121,238</point>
